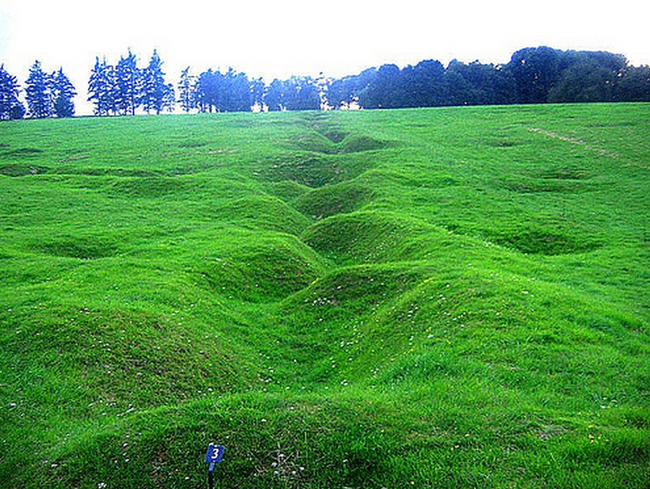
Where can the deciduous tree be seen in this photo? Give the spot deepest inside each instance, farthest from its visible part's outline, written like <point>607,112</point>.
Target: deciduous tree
<point>633,85</point>
<point>535,71</point>
<point>274,98</point>
<point>257,89</point>
<point>301,93</point>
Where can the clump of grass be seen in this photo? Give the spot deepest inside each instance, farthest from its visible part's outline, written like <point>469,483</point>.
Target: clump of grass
<point>21,169</point>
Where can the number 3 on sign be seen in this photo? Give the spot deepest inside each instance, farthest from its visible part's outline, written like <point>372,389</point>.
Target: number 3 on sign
<point>213,456</point>
<point>214,453</point>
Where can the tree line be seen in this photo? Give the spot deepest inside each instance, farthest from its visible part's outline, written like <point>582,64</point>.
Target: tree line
<point>47,94</point>
<point>124,88</point>
<point>213,91</point>
<point>532,76</point>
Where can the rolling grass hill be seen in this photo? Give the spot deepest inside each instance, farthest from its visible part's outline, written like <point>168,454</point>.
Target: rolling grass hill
<point>440,298</point>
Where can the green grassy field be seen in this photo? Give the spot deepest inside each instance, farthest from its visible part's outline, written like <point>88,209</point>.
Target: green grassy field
<point>442,298</point>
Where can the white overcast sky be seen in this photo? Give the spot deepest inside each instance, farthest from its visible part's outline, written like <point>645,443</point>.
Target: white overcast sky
<point>278,38</point>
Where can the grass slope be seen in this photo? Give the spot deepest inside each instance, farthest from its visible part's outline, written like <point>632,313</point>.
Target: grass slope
<point>423,298</point>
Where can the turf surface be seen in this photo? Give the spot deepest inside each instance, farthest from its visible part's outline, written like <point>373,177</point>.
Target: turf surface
<point>411,298</point>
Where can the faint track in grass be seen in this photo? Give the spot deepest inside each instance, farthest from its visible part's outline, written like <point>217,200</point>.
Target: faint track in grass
<point>569,139</point>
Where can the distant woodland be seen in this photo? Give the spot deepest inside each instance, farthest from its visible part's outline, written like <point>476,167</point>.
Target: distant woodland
<point>532,76</point>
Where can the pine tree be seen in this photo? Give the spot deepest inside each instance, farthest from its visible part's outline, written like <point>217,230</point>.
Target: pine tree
<point>186,95</point>
<point>39,95</point>
<point>169,98</point>
<point>10,106</point>
<point>101,88</point>
<point>63,92</point>
<point>129,85</point>
<point>157,95</point>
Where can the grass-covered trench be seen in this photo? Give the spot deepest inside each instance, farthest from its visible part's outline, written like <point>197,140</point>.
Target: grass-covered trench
<point>442,298</point>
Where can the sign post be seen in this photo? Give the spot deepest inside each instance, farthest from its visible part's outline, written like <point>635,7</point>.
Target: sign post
<point>212,457</point>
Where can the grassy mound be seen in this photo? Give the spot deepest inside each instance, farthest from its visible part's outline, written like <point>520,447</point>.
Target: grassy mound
<point>337,142</point>
<point>263,212</point>
<point>365,236</point>
<point>253,267</point>
<point>343,198</point>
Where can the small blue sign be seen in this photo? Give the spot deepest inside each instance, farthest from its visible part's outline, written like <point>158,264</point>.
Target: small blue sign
<point>214,454</point>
